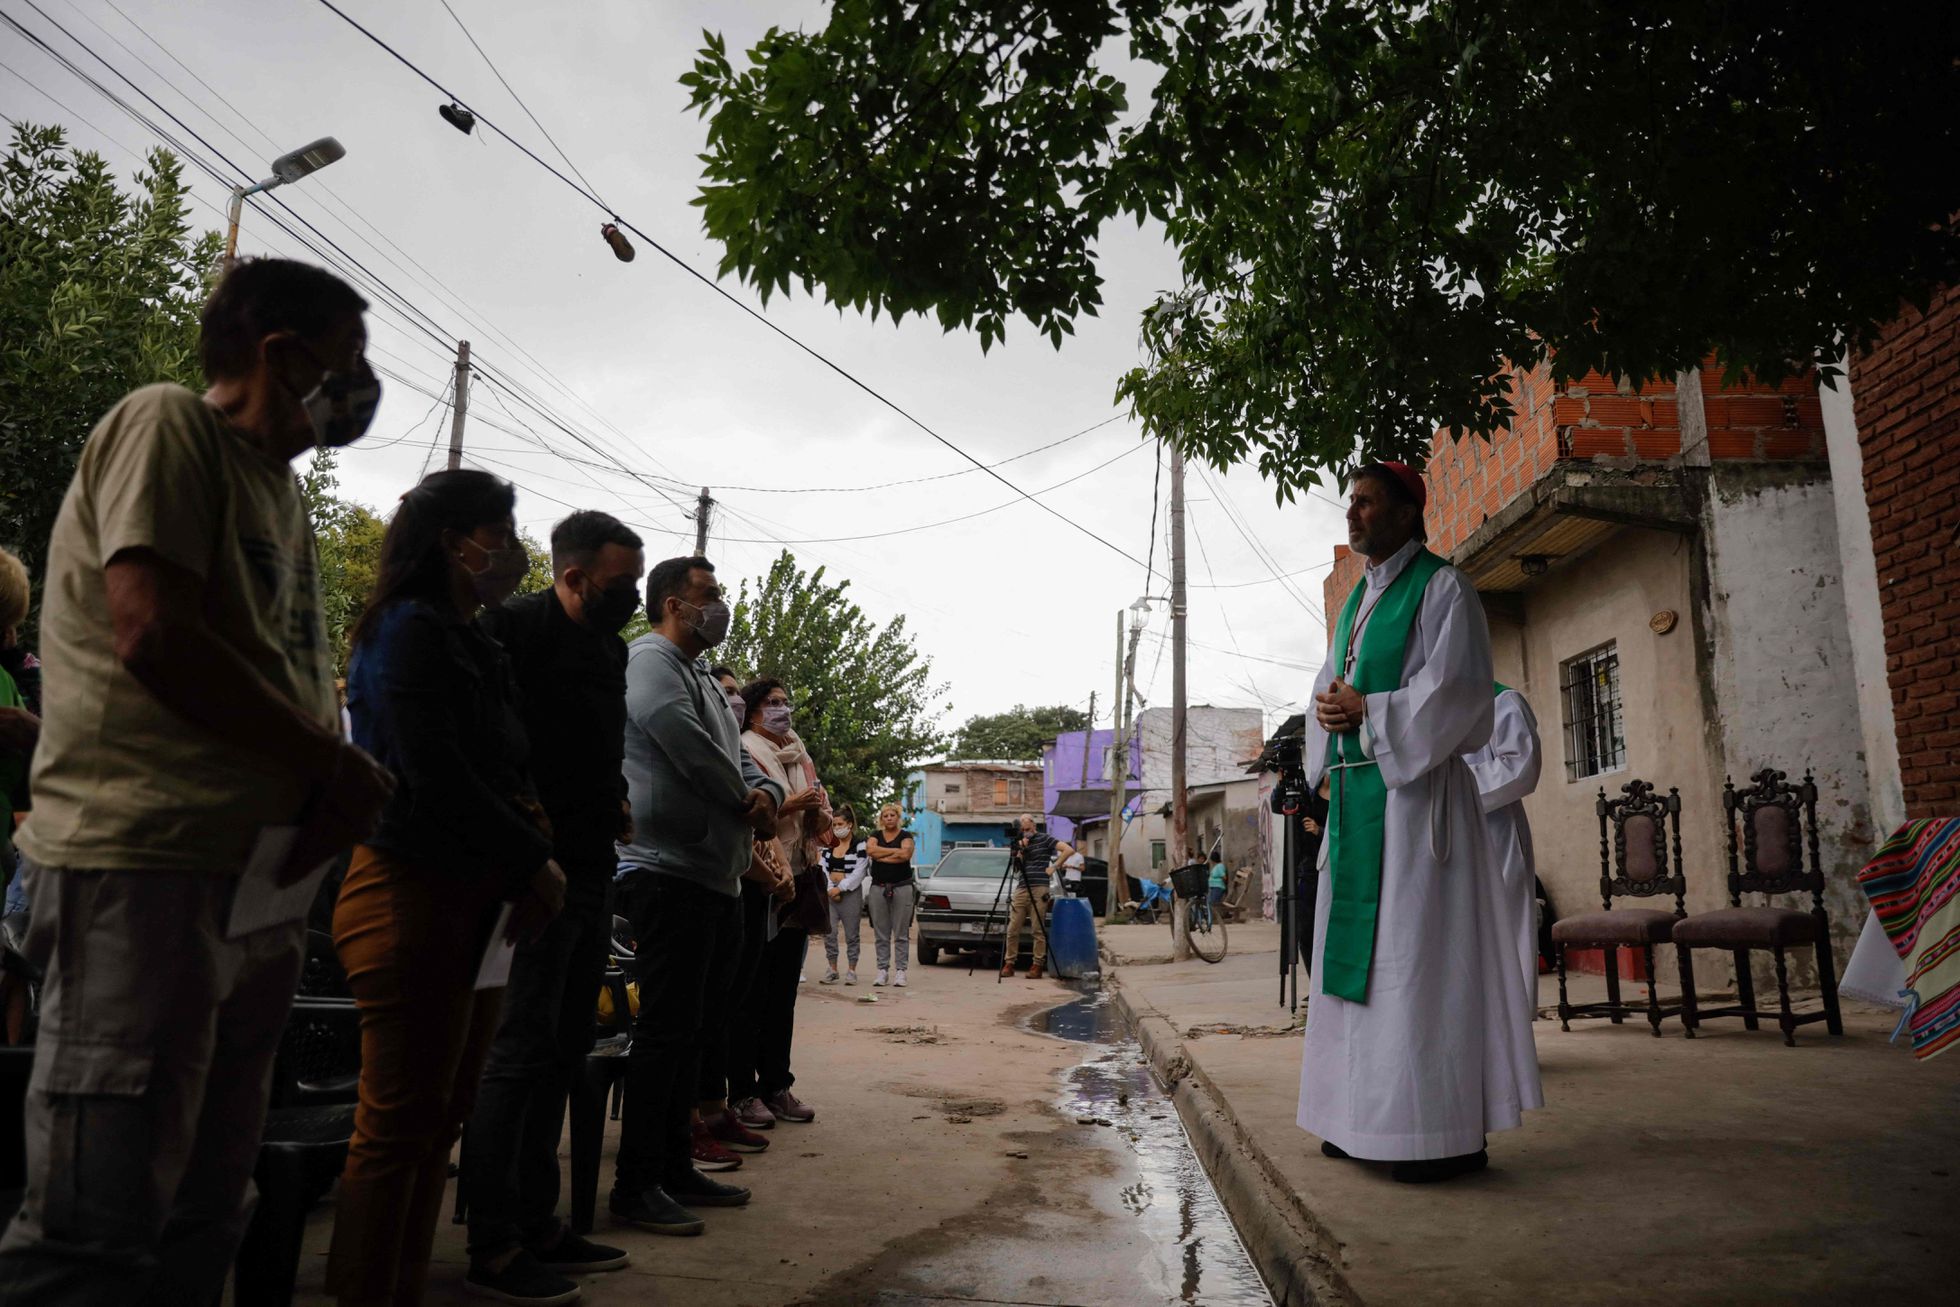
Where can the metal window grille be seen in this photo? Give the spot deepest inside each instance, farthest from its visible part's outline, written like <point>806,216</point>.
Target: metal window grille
<point>1595,736</point>
<point>1157,855</point>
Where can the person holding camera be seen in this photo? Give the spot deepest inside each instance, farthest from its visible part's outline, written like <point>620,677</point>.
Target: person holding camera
<point>1034,853</point>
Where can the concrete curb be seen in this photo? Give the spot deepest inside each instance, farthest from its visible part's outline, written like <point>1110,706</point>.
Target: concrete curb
<point>1299,1257</point>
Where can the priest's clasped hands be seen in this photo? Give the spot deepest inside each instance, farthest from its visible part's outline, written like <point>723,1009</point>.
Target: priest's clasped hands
<point>1340,708</point>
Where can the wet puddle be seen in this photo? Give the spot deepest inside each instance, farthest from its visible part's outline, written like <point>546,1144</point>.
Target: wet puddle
<point>1195,1252</point>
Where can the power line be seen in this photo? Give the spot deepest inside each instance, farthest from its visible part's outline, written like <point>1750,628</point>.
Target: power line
<point>1264,580</point>
<point>478,47</point>
<point>1259,550</point>
<point>917,481</point>
<point>719,290</point>
<point>928,526</point>
<point>400,304</point>
<point>1163,640</point>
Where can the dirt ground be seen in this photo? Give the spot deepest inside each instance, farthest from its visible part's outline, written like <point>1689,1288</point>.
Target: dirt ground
<point>947,1164</point>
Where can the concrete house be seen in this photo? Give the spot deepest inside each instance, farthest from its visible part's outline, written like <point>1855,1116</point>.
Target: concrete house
<point>1662,574</point>
<point>967,801</point>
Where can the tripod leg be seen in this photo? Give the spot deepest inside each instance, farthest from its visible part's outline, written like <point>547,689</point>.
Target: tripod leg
<point>987,928</point>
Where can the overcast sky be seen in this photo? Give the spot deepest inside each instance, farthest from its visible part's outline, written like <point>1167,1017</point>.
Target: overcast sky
<point>676,382</point>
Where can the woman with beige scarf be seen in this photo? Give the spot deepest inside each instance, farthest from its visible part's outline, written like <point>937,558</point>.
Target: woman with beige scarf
<point>759,1042</point>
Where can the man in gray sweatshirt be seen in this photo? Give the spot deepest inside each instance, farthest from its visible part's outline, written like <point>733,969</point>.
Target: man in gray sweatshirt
<point>697,802</point>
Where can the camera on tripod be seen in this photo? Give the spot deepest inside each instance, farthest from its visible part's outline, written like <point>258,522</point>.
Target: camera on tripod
<point>1289,758</point>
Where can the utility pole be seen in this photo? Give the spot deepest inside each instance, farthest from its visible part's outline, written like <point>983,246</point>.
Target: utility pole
<point>1119,774</point>
<point>1180,799</point>
<point>1090,735</point>
<point>462,404</point>
<point>703,510</point>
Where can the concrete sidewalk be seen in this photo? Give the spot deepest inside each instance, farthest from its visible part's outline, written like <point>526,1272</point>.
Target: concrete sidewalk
<point>1726,1169</point>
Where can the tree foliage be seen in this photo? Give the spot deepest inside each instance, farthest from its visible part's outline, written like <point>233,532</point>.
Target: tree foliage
<point>347,536</point>
<point>1381,207</point>
<point>1020,732</point>
<point>865,702</point>
<point>100,292</point>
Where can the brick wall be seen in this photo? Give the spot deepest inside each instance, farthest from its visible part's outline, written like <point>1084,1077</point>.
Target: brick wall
<point>1906,394</point>
<point>1593,419</point>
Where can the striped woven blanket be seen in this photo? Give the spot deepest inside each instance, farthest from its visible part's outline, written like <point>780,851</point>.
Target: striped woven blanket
<point>1914,887</point>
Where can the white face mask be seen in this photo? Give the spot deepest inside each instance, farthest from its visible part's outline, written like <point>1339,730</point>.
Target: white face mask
<point>341,408</point>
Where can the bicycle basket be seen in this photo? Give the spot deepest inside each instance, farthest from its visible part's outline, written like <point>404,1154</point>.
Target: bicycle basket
<point>1191,882</point>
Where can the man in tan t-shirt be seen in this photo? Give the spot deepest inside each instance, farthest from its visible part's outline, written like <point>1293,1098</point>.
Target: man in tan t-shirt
<point>187,704</point>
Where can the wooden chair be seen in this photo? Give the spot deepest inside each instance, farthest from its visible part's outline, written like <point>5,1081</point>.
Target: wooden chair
<point>1635,864</point>
<point>1771,825</point>
<point>1233,903</point>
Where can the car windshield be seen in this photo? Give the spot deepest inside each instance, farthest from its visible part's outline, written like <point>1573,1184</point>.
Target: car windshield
<point>974,863</point>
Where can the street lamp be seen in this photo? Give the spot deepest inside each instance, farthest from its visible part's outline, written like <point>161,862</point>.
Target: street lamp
<point>302,162</point>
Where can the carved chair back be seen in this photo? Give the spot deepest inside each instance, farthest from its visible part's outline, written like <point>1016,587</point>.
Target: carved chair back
<point>1633,845</point>
<point>1772,824</point>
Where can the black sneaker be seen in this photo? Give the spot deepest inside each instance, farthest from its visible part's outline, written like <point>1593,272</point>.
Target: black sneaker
<point>652,1209</point>
<point>697,1190</point>
<point>572,1255</point>
<point>523,1280</point>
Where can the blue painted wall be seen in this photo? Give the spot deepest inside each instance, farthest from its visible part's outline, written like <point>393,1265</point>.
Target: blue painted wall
<point>933,835</point>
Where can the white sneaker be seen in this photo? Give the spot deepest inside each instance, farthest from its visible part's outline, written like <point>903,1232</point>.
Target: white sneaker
<point>829,977</point>
<point>899,980</point>
<point>881,978</point>
<point>851,977</point>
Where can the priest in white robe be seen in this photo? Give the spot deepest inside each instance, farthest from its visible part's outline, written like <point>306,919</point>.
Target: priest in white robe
<point>1418,1039</point>
<point>1507,771</point>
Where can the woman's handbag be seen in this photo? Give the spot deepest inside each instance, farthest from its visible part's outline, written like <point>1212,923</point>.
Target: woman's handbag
<point>810,910</point>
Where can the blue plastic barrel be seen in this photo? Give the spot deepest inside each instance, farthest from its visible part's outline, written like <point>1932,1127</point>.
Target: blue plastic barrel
<point>1072,939</point>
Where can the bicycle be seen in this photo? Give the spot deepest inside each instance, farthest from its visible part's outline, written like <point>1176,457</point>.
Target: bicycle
<point>1204,927</point>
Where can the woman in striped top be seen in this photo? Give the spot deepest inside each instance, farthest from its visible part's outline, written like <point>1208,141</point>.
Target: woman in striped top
<point>846,862</point>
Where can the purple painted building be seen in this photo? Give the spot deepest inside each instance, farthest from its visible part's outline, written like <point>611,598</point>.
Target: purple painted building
<point>1074,762</point>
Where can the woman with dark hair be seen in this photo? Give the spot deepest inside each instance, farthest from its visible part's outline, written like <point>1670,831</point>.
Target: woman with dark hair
<point>759,1077</point>
<point>461,842</point>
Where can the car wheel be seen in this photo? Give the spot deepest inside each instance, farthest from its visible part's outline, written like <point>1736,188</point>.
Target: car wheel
<point>928,954</point>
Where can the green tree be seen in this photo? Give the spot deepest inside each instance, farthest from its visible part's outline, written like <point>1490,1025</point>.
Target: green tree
<point>1381,206</point>
<point>347,536</point>
<point>100,292</point>
<point>865,702</point>
<point>1017,733</point>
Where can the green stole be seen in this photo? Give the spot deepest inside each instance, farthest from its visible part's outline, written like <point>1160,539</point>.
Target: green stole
<point>1357,815</point>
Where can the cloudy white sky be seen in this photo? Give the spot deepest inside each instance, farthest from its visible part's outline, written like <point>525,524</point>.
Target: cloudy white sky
<point>670,379</point>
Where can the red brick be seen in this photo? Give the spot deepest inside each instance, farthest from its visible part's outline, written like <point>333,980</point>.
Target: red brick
<point>1656,444</point>
<point>1731,444</point>
<point>1751,411</point>
<point>1591,442</point>
<point>1615,411</point>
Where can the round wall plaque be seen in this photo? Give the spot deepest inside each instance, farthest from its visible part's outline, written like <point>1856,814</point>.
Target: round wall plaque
<point>1663,621</point>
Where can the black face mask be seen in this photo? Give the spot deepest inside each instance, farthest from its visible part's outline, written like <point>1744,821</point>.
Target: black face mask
<point>613,607</point>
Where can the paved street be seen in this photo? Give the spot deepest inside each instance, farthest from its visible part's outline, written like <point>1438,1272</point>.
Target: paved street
<point>946,1165</point>
<point>1727,1169</point>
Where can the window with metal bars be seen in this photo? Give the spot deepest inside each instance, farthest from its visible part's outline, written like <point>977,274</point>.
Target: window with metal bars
<point>1595,736</point>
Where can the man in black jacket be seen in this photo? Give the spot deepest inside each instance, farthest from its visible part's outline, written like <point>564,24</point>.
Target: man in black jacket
<point>570,667</point>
